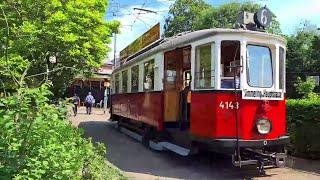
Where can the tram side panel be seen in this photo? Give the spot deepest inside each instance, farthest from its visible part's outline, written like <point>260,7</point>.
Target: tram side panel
<point>213,116</point>
<point>146,107</point>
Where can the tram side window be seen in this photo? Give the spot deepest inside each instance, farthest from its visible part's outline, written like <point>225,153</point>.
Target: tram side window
<point>135,78</point>
<point>281,67</point>
<point>148,77</point>
<point>230,61</point>
<point>124,81</point>
<point>116,84</point>
<point>203,67</point>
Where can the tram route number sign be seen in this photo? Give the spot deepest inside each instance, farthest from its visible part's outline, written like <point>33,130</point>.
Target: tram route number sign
<point>262,94</point>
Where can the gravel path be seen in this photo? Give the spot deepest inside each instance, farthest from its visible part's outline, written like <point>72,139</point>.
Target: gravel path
<point>142,163</point>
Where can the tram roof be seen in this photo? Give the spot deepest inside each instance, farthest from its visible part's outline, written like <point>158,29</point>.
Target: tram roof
<point>183,39</point>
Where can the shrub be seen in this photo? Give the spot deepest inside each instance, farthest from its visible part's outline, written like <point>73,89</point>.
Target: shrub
<point>37,141</point>
<point>305,88</point>
<point>303,117</point>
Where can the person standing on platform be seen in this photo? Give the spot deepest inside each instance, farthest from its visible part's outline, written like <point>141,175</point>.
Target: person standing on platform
<point>105,100</point>
<point>75,102</point>
<point>89,101</point>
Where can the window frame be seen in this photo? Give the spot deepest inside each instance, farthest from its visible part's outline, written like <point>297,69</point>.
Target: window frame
<point>282,68</point>
<point>143,75</point>
<point>247,62</point>
<point>138,79</point>
<point>122,81</point>
<point>212,67</point>
<point>117,83</point>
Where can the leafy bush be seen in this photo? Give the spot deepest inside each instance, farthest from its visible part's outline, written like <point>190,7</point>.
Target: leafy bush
<point>37,141</point>
<point>303,117</point>
<point>305,88</point>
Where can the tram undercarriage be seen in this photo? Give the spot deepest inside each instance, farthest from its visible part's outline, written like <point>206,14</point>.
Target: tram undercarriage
<point>261,153</point>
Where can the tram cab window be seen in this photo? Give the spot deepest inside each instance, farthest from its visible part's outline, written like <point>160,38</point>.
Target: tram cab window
<point>259,66</point>
<point>135,78</point>
<point>203,69</point>
<point>281,67</point>
<point>230,61</point>
<point>124,81</point>
<point>148,78</point>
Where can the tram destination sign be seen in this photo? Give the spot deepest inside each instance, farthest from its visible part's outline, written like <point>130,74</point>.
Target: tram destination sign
<point>262,94</point>
<point>147,38</point>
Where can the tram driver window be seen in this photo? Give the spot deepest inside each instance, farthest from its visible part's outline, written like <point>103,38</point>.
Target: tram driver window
<point>148,78</point>
<point>230,61</point>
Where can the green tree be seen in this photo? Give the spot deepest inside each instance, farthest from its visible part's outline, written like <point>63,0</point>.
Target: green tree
<point>73,31</point>
<point>203,17</point>
<point>303,55</point>
<point>182,15</point>
<point>303,49</point>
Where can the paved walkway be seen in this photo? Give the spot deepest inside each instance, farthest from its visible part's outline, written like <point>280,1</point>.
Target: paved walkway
<point>142,163</point>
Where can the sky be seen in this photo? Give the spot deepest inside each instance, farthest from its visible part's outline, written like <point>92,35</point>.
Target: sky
<point>133,24</point>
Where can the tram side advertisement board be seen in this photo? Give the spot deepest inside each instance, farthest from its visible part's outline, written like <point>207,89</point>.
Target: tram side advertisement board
<point>152,35</point>
<point>257,94</point>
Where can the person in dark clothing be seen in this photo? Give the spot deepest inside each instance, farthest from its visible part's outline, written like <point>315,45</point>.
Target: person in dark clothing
<point>75,102</point>
<point>185,107</point>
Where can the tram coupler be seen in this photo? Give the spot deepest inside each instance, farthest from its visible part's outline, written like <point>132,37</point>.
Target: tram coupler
<point>259,158</point>
<point>261,165</point>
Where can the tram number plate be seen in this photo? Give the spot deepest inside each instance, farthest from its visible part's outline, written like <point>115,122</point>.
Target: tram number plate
<point>229,105</point>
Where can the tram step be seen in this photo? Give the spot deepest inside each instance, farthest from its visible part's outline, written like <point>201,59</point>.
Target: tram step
<point>159,146</point>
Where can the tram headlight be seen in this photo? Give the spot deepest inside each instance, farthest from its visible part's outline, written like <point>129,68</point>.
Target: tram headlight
<point>263,126</point>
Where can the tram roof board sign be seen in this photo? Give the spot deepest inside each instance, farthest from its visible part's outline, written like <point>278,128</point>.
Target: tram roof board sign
<point>147,38</point>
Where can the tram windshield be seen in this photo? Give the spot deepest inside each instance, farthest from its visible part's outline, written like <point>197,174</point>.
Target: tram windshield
<point>259,66</point>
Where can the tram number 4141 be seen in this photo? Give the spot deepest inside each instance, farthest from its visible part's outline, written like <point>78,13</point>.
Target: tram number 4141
<point>229,105</point>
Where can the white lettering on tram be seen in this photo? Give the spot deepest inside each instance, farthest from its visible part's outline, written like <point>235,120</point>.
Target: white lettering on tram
<point>229,105</point>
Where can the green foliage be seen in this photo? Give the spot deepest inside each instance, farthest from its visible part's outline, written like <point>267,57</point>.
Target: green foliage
<point>74,31</point>
<point>302,54</point>
<point>38,142</point>
<point>303,124</point>
<point>186,15</point>
<point>305,88</point>
<point>182,15</point>
<point>303,50</point>
<point>36,139</point>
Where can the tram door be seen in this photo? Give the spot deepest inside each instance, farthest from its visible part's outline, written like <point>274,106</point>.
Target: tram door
<point>174,68</point>
<point>172,84</point>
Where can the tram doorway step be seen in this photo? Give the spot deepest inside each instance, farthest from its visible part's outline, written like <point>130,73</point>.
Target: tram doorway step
<point>159,146</point>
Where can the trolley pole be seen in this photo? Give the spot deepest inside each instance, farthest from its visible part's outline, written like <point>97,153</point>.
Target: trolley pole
<point>234,68</point>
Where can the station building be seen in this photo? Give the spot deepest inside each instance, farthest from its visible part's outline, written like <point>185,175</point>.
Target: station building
<point>98,84</point>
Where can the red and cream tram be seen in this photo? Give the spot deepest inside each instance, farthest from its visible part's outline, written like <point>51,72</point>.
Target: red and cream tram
<point>217,89</point>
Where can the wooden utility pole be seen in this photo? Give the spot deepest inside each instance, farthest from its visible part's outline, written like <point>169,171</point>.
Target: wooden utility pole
<point>114,50</point>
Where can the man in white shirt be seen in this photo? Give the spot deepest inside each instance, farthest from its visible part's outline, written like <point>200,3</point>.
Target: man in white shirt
<point>89,102</point>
